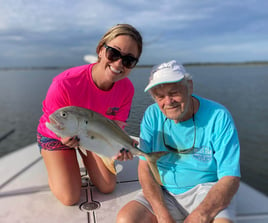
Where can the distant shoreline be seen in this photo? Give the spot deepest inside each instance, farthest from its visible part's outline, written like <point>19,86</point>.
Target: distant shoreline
<point>218,64</point>
<point>144,66</point>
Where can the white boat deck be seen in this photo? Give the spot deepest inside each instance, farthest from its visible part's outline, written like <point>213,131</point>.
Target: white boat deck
<point>25,195</point>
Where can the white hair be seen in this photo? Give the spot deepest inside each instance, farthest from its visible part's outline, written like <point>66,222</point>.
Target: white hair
<point>184,81</point>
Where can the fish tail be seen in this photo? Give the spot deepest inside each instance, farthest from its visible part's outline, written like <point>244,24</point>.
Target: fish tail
<point>152,159</point>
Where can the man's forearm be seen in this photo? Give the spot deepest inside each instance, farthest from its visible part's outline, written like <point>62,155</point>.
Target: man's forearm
<point>153,193</point>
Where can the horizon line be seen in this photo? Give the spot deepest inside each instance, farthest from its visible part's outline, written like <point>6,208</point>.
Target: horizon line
<point>144,65</point>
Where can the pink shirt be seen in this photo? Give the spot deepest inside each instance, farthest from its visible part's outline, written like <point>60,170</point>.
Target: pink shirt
<point>75,87</point>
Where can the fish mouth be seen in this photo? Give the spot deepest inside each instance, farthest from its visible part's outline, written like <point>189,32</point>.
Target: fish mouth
<point>55,124</point>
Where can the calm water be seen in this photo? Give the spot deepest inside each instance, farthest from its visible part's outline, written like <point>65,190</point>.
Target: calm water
<point>242,89</point>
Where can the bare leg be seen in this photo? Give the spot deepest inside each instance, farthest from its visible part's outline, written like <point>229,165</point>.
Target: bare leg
<point>222,220</point>
<point>100,176</point>
<point>63,175</point>
<point>134,212</point>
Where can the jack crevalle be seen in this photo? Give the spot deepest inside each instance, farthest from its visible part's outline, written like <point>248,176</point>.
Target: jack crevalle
<point>99,135</point>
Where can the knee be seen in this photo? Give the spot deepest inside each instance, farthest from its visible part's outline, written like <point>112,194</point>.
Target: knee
<point>133,212</point>
<point>121,217</point>
<point>107,188</point>
<point>69,200</point>
<point>222,220</point>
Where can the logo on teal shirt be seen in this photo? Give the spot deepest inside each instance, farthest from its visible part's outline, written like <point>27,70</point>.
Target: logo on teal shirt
<point>203,154</point>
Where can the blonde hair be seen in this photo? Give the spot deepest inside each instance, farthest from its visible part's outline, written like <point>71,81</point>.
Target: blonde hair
<point>118,30</point>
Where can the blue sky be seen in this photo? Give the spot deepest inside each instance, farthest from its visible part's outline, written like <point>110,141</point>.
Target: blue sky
<point>61,32</point>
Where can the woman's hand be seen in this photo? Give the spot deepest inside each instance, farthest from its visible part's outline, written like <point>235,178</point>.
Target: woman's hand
<point>72,142</point>
<point>124,154</point>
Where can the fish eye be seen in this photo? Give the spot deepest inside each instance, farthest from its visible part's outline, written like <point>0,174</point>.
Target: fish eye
<point>86,121</point>
<point>63,114</point>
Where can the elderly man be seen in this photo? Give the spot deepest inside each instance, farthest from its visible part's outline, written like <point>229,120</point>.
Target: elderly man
<point>201,174</point>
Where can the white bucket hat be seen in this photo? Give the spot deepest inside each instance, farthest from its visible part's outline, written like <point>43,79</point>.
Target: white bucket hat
<point>166,73</point>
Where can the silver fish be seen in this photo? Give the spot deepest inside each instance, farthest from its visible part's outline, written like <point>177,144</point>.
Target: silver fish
<point>99,135</point>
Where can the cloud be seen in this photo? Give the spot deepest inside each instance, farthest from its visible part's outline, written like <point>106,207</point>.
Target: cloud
<point>62,32</point>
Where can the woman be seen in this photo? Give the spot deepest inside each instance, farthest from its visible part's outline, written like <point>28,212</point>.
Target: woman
<point>102,87</point>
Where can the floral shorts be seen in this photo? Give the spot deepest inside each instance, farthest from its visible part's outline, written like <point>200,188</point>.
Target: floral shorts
<point>50,143</point>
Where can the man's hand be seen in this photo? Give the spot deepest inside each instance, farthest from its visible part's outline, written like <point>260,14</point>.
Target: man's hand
<point>196,217</point>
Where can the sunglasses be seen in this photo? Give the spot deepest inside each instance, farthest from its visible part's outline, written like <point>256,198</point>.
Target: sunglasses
<point>113,54</point>
<point>176,150</point>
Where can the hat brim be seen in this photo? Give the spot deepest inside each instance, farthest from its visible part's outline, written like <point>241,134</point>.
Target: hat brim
<point>158,82</point>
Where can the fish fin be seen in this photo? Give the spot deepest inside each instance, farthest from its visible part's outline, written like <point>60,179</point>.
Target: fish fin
<point>109,163</point>
<point>120,123</point>
<point>83,150</point>
<point>152,159</point>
